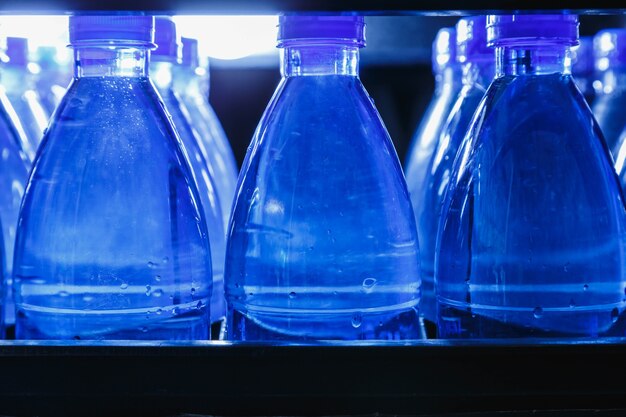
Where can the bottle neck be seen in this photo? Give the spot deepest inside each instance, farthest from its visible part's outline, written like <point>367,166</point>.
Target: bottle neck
<point>316,60</point>
<point>110,61</point>
<point>533,60</point>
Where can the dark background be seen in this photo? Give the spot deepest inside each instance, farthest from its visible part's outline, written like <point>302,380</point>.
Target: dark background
<point>395,69</point>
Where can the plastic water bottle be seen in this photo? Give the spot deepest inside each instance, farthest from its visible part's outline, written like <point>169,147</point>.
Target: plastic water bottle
<point>447,72</point>
<point>610,102</point>
<point>112,241</point>
<point>18,80</point>
<point>54,77</point>
<point>583,67</point>
<point>322,243</point>
<point>164,58</point>
<point>532,235</point>
<point>478,62</point>
<point>191,82</point>
<point>13,177</point>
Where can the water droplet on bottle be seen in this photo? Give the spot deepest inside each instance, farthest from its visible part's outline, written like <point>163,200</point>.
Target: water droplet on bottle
<point>335,293</point>
<point>572,304</point>
<point>329,232</point>
<point>368,284</point>
<point>192,291</point>
<point>88,298</point>
<point>123,286</point>
<point>357,319</point>
<point>159,311</point>
<point>148,289</point>
<point>585,287</point>
<point>165,259</point>
<point>157,278</point>
<point>176,311</point>
<point>157,293</point>
<point>144,329</point>
<point>199,305</point>
<point>292,295</point>
<point>467,281</point>
<point>151,265</point>
<point>63,293</point>
<point>538,312</point>
<point>614,314</point>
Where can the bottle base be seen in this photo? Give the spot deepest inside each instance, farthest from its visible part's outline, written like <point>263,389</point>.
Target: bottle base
<point>458,323</point>
<point>403,325</point>
<point>181,322</point>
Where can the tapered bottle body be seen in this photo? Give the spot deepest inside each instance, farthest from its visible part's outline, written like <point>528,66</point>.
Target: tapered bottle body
<point>531,241</point>
<point>112,241</point>
<point>322,243</point>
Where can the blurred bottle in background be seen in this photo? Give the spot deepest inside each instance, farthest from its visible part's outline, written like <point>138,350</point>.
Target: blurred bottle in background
<point>478,63</point>
<point>610,102</point>
<point>191,83</point>
<point>163,60</point>
<point>18,80</point>
<point>447,73</point>
<point>112,242</point>
<point>531,241</point>
<point>322,243</point>
<point>583,67</point>
<point>54,77</point>
<point>14,170</point>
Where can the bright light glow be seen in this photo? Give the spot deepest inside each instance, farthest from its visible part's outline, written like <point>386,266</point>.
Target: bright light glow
<point>49,30</point>
<point>230,37</point>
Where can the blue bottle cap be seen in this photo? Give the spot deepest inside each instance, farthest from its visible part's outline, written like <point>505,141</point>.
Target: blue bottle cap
<point>17,51</point>
<point>167,40</point>
<point>330,29</point>
<point>529,29</point>
<point>444,49</point>
<point>129,28</point>
<point>582,56</point>
<point>610,49</point>
<point>471,40</point>
<point>190,52</point>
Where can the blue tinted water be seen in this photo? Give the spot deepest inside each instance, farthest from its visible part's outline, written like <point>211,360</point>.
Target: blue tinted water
<point>428,198</point>
<point>533,233</point>
<point>112,243</point>
<point>322,243</point>
<point>209,197</point>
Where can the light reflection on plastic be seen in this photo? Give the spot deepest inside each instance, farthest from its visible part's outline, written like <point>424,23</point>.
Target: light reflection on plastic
<point>49,30</point>
<point>230,37</point>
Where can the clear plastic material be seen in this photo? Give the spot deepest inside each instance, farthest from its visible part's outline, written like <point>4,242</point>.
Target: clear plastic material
<point>18,80</point>
<point>583,68</point>
<point>161,74</point>
<point>531,241</point>
<point>191,84</point>
<point>610,101</point>
<point>427,197</point>
<point>13,177</point>
<point>322,243</point>
<point>112,242</point>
